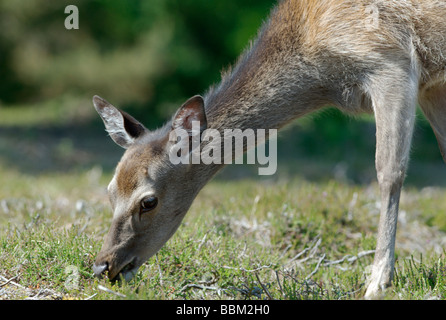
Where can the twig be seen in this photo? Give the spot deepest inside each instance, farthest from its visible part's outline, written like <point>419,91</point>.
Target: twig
<point>254,205</point>
<point>12,282</point>
<point>242,253</point>
<point>311,254</point>
<point>280,286</point>
<point>247,270</point>
<point>42,293</point>
<point>350,293</point>
<point>111,291</point>
<point>365,253</point>
<point>263,287</point>
<point>8,281</point>
<point>285,251</point>
<point>90,297</point>
<point>317,267</point>
<point>198,286</point>
<point>202,241</point>
<point>299,254</point>
<point>350,258</point>
<point>313,250</point>
<point>159,270</point>
<point>351,206</point>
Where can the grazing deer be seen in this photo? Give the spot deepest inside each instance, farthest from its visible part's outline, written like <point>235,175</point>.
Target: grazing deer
<point>358,55</point>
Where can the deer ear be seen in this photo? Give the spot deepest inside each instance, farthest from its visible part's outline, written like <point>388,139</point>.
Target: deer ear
<point>122,127</point>
<point>191,110</point>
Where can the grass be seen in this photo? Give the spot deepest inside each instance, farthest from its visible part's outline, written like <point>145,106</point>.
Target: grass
<point>285,237</point>
<point>240,240</point>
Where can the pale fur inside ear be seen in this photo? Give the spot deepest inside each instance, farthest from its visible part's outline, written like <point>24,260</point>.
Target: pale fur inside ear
<point>114,122</point>
<point>191,110</point>
<point>184,120</point>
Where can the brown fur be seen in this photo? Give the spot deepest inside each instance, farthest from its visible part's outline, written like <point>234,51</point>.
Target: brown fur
<point>360,56</point>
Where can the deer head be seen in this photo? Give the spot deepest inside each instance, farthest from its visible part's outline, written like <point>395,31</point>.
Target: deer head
<point>149,195</point>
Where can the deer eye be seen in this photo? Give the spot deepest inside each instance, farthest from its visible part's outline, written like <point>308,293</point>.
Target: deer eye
<point>148,203</point>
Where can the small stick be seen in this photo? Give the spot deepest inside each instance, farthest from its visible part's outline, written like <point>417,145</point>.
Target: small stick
<point>312,253</point>
<point>92,296</point>
<point>247,270</point>
<point>317,267</point>
<point>263,287</point>
<point>350,258</point>
<point>10,281</point>
<point>111,291</point>
<point>280,286</point>
<point>159,270</point>
<point>198,286</point>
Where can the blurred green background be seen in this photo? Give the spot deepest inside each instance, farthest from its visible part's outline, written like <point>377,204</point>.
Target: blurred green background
<point>143,53</point>
<point>148,57</point>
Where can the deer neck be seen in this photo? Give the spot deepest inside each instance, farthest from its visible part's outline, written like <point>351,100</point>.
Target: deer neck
<point>267,88</point>
<point>271,84</point>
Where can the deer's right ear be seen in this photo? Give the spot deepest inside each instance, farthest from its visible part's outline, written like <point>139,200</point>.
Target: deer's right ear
<point>122,127</point>
<point>191,110</point>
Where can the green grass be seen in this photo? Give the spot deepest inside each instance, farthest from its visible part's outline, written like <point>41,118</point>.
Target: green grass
<point>241,240</point>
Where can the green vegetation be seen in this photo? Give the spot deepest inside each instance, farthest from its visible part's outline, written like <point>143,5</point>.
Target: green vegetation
<point>305,233</point>
<point>288,239</point>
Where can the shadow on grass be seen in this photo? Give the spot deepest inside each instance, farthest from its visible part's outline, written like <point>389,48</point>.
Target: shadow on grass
<point>44,149</point>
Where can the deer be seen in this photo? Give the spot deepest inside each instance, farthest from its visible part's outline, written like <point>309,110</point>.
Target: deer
<point>384,58</point>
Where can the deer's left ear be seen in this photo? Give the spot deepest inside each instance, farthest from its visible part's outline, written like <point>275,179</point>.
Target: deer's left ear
<point>191,110</point>
<point>122,127</point>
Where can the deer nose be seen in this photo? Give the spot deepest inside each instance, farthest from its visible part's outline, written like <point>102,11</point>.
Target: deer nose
<point>99,270</point>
